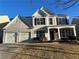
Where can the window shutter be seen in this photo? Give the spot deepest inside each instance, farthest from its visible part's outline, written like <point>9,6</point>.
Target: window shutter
<point>57,20</point>
<point>66,21</point>
<point>35,21</point>
<point>44,20</point>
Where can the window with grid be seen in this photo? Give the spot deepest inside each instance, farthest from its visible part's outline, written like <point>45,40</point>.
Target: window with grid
<point>71,32</point>
<point>40,33</point>
<point>61,21</point>
<point>39,21</point>
<point>63,33</point>
<point>66,32</point>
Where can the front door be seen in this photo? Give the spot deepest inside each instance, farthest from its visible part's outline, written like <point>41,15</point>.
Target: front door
<point>53,34</point>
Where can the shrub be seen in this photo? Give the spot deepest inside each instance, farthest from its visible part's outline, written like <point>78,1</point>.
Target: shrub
<point>64,39</point>
<point>78,38</point>
<point>72,38</point>
<point>36,40</point>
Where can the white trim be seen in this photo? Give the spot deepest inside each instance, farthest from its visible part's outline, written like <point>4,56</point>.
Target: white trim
<point>33,21</point>
<point>10,22</point>
<point>48,34</point>
<point>74,31</point>
<point>4,35</point>
<point>59,33</point>
<point>62,26</point>
<point>35,13</point>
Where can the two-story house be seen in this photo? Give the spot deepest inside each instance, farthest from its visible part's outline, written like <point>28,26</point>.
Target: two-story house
<point>42,23</point>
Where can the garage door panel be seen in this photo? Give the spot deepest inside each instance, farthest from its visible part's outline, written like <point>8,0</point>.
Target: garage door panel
<point>24,37</point>
<point>10,38</point>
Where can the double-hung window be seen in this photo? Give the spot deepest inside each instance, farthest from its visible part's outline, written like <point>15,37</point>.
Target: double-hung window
<point>62,21</point>
<point>59,21</point>
<point>39,21</point>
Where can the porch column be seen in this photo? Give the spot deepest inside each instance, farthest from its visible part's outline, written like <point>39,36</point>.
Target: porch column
<point>4,36</point>
<point>74,31</point>
<point>59,33</point>
<point>33,21</point>
<point>48,35</point>
<point>33,33</point>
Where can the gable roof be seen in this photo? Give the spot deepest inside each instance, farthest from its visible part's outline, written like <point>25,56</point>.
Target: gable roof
<point>46,11</point>
<point>17,21</point>
<point>43,12</point>
<point>27,20</point>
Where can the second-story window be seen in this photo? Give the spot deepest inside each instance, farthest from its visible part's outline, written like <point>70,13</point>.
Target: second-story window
<point>39,21</point>
<point>50,21</point>
<point>61,21</point>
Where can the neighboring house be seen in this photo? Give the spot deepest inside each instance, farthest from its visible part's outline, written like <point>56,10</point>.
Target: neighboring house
<point>75,20</point>
<point>4,19</point>
<point>42,23</point>
<point>3,22</point>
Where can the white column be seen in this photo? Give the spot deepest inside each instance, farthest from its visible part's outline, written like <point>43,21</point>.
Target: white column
<point>74,31</point>
<point>59,33</point>
<point>4,36</point>
<point>32,33</point>
<point>33,21</point>
<point>48,34</point>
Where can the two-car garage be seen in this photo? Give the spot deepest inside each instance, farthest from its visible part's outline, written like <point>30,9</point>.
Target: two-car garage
<point>13,37</point>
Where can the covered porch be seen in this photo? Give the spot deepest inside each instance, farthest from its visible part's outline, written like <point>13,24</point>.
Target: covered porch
<point>58,32</point>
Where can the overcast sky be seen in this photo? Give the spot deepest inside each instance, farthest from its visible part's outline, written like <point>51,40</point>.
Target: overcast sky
<point>27,8</point>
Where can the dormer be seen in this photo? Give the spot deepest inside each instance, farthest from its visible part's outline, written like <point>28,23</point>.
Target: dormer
<point>42,12</point>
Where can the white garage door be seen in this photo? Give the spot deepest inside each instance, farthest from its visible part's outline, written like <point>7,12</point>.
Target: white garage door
<point>10,38</point>
<point>23,37</point>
